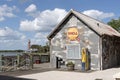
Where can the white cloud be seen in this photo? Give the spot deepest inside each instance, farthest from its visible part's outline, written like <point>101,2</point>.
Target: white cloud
<point>45,21</point>
<point>2,18</point>
<point>27,25</point>
<point>39,41</point>
<point>40,35</point>
<point>40,38</point>
<point>11,39</point>
<point>98,14</point>
<point>13,44</point>
<point>9,34</point>
<point>31,8</point>
<point>6,11</point>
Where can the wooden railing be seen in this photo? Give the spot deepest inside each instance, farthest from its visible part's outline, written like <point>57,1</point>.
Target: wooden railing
<point>22,64</point>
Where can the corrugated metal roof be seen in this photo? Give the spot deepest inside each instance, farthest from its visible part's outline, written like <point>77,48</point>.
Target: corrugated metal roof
<point>98,26</point>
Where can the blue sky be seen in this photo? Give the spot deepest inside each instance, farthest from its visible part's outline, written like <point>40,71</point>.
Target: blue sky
<point>21,20</point>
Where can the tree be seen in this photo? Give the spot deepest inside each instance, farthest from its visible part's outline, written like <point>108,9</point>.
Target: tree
<point>35,46</point>
<point>40,48</point>
<point>115,23</point>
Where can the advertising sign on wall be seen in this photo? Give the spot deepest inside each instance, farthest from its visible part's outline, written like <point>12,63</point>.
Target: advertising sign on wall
<point>72,33</point>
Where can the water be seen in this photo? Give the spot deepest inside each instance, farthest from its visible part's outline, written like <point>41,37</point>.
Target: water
<point>10,53</point>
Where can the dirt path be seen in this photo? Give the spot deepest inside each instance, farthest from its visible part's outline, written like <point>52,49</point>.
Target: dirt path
<point>38,68</point>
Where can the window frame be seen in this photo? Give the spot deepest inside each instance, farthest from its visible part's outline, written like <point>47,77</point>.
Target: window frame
<point>73,56</point>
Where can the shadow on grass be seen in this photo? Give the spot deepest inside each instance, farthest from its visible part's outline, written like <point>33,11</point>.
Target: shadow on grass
<point>2,77</point>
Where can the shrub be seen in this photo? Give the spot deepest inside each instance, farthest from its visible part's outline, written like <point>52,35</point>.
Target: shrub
<point>70,63</point>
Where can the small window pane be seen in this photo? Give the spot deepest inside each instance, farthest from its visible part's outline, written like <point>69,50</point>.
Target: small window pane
<point>73,51</point>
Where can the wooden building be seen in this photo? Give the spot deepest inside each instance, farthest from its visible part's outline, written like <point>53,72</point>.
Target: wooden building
<point>77,31</point>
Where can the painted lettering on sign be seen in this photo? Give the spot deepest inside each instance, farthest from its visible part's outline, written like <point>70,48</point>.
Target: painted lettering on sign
<point>72,33</point>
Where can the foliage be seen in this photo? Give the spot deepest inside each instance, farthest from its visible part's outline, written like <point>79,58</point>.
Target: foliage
<point>70,63</point>
<point>115,23</point>
<point>40,49</point>
<point>11,50</point>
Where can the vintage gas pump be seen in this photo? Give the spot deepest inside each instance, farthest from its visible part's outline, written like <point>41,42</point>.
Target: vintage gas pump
<point>85,59</point>
<point>88,59</point>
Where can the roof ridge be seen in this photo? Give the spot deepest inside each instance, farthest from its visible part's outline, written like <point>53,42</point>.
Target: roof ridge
<point>97,21</point>
<point>90,22</point>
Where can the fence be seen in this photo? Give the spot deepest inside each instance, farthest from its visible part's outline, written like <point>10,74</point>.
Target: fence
<point>12,63</point>
<point>22,61</point>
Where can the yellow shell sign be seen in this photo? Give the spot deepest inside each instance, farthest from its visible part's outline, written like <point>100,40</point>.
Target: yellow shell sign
<point>72,33</point>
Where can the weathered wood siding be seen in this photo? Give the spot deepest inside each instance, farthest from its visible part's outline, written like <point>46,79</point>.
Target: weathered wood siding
<point>110,51</point>
<point>58,43</point>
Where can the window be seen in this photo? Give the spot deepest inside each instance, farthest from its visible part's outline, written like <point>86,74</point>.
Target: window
<point>73,51</point>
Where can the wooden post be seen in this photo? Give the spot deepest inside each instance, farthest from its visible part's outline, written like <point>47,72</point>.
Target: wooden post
<point>31,61</point>
<point>1,57</point>
<point>18,60</point>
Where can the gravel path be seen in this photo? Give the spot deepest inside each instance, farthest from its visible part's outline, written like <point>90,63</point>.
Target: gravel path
<point>67,75</point>
<point>44,72</point>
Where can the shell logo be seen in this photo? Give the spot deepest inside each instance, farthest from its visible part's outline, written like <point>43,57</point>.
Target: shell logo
<point>72,33</point>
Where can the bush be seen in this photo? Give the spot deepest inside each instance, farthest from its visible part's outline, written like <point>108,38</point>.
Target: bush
<point>70,63</point>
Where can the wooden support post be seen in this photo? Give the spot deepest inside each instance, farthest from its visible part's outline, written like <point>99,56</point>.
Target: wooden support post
<point>31,61</point>
<point>18,60</point>
<point>1,60</point>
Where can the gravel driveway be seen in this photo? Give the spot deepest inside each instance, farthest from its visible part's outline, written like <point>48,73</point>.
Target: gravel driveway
<point>67,75</point>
